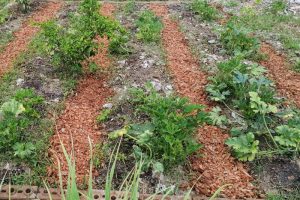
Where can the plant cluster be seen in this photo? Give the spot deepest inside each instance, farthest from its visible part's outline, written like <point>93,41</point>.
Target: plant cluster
<point>237,40</point>
<point>16,117</point>
<point>167,138</point>
<point>71,45</point>
<point>278,6</point>
<point>204,10</point>
<point>245,90</point>
<point>149,27</point>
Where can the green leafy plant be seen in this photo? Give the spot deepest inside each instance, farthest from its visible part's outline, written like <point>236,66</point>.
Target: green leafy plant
<point>71,45</point>
<point>204,10</point>
<point>148,26</point>
<point>103,116</point>
<point>16,117</point>
<point>245,147</point>
<point>237,40</point>
<point>216,117</point>
<point>167,137</point>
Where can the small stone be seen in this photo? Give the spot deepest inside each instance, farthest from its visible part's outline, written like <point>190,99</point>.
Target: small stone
<point>108,105</point>
<point>19,81</point>
<point>157,85</point>
<point>211,41</point>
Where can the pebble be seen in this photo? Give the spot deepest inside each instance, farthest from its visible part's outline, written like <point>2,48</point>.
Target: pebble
<point>108,105</point>
<point>19,81</point>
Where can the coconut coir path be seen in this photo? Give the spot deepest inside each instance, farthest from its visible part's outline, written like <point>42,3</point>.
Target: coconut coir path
<point>25,34</point>
<point>287,81</point>
<point>77,122</point>
<point>216,167</point>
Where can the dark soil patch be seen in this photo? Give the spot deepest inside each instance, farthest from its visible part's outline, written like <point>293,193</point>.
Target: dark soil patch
<point>275,175</point>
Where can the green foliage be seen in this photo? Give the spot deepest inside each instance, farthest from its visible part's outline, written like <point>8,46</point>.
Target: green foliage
<point>236,81</point>
<point>237,40</point>
<point>24,4</point>
<point>245,147</point>
<point>278,6</point>
<point>71,45</point>
<point>103,116</point>
<point>168,136</point>
<point>204,10</point>
<point>17,116</point>
<point>216,117</point>
<point>149,27</point>
<point>129,7</point>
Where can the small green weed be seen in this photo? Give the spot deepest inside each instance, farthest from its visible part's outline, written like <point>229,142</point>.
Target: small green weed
<point>149,27</point>
<point>278,6</point>
<point>103,116</point>
<point>204,10</point>
<point>297,66</point>
<point>129,7</point>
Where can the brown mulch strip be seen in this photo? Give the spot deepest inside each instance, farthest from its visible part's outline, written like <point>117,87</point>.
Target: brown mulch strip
<point>287,81</point>
<point>216,167</point>
<point>23,36</point>
<point>78,122</point>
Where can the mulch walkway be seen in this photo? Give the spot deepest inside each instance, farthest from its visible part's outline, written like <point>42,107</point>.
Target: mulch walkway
<point>23,36</point>
<point>78,121</point>
<point>287,81</point>
<point>216,167</point>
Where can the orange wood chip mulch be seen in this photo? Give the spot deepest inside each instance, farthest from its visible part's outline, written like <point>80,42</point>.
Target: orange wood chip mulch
<point>25,34</point>
<point>216,167</point>
<point>287,81</point>
<point>78,122</point>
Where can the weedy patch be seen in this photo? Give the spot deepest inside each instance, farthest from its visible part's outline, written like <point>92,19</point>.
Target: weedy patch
<point>204,10</point>
<point>148,26</point>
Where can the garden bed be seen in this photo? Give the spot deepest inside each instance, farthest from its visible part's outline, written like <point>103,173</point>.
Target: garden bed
<point>152,98</point>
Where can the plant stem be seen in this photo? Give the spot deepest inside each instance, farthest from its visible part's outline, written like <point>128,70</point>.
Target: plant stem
<point>270,134</point>
<point>232,110</point>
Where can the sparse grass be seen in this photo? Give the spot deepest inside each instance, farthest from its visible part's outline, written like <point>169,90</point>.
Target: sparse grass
<point>293,195</point>
<point>5,37</point>
<point>232,3</point>
<point>278,6</point>
<point>297,66</point>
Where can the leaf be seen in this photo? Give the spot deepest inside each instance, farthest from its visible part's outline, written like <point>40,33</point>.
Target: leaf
<point>13,107</point>
<point>216,117</point>
<point>245,146</point>
<point>158,167</point>
<point>118,133</point>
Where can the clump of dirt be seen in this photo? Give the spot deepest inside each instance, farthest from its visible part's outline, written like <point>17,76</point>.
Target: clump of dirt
<point>216,167</point>
<point>287,81</point>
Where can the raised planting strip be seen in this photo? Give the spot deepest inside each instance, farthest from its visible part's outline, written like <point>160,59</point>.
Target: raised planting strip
<point>77,123</point>
<point>23,36</point>
<point>287,81</point>
<point>216,167</point>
